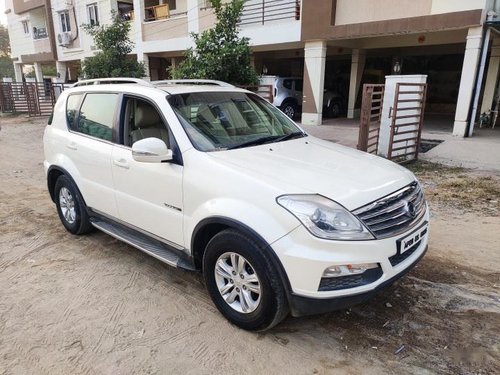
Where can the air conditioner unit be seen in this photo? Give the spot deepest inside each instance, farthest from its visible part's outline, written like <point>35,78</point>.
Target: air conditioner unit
<point>64,39</point>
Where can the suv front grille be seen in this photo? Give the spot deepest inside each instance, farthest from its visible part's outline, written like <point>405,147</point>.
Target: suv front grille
<point>394,213</point>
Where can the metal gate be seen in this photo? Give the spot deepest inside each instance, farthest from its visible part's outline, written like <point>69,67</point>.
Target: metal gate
<point>371,113</point>
<point>407,116</point>
<point>36,99</point>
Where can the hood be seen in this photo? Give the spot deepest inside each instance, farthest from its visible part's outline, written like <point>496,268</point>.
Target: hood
<point>313,166</point>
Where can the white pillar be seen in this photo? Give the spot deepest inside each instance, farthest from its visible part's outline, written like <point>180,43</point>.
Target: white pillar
<point>314,82</point>
<point>139,47</point>
<point>143,57</point>
<point>357,67</point>
<point>467,80</point>
<point>38,72</point>
<point>62,71</point>
<point>491,77</point>
<point>138,16</point>
<point>18,72</point>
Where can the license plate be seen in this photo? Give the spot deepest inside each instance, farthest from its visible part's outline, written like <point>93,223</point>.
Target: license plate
<point>405,243</point>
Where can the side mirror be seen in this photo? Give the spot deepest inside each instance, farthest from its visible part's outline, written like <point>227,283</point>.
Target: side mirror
<point>151,150</point>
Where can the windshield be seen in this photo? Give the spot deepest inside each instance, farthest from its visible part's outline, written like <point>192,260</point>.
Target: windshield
<point>224,120</point>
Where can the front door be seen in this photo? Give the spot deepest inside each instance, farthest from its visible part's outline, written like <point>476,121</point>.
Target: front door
<point>148,195</point>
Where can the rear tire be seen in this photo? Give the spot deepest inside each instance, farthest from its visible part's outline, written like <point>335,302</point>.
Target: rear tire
<point>71,207</point>
<point>333,110</point>
<point>263,295</point>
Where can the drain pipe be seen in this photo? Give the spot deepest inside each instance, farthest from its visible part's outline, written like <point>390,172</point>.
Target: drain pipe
<point>479,81</point>
<point>479,78</point>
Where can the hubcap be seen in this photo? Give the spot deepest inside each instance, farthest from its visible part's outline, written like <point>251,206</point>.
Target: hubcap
<point>67,204</point>
<point>289,111</point>
<point>237,282</point>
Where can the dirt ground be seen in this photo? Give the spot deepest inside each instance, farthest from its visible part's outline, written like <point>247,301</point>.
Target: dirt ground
<point>94,305</point>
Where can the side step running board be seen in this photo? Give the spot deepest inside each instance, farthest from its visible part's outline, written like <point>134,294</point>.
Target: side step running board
<point>151,246</point>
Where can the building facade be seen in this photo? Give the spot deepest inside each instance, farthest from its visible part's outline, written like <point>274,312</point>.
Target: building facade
<point>333,44</point>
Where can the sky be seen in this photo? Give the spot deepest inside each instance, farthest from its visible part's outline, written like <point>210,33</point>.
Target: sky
<point>3,17</point>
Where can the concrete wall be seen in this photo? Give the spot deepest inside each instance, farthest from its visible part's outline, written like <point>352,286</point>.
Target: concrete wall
<point>83,45</point>
<point>174,27</point>
<point>206,19</point>
<point>21,43</point>
<point>358,11</point>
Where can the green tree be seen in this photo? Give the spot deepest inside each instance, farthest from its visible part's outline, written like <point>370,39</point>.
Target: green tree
<point>6,68</point>
<point>220,53</point>
<point>112,60</point>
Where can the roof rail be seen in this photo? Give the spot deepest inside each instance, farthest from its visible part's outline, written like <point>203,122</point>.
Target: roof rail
<point>192,82</point>
<point>110,81</point>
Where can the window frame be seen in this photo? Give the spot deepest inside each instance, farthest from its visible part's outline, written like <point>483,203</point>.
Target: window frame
<point>71,127</point>
<point>64,21</point>
<point>26,27</point>
<point>122,112</point>
<point>75,130</point>
<point>169,2</point>
<point>93,7</point>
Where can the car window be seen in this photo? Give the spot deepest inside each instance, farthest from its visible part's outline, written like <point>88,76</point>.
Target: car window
<point>142,120</point>
<point>72,105</point>
<point>298,85</point>
<point>97,115</point>
<point>221,120</point>
<point>287,84</point>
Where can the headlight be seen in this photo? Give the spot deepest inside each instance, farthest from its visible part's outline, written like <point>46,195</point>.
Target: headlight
<point>324,218</point>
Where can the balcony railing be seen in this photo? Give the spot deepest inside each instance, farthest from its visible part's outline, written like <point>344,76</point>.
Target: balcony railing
<point>265,11</point>
<point>40,33</point>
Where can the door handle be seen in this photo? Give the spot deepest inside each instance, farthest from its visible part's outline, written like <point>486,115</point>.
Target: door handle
<point>71,146</point>
<point>122,163</point>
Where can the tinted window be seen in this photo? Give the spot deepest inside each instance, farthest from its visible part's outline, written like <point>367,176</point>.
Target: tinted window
<point>298,85</point>
<point>287,84</point>
<point>97,115</point>
<point>71,109</point>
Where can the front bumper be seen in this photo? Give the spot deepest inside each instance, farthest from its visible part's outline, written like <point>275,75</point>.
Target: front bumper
<point>301,306</point>
<point>304,259</point>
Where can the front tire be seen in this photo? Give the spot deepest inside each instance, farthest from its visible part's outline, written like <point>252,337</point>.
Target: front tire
<point>289,109</point>
<point>70,207</point>
<point>242,282</point>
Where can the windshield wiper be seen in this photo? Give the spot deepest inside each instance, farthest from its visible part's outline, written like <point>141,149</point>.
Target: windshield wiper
<point>286,137</point>
<point>268,139</point>
<point>255,142</point>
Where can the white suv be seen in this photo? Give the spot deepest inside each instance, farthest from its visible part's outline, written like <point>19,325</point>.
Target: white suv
<point>213,178</point>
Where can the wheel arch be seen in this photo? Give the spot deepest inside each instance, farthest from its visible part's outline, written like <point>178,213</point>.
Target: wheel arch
<point>53,173</point>
<point>290,100</point>
<point>209,227</point>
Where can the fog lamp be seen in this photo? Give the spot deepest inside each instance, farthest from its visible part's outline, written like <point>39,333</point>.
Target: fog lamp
<point>348,269</point>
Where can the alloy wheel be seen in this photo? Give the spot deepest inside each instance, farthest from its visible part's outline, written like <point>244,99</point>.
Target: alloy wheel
<point>67,204</point>
<point>237,282</point>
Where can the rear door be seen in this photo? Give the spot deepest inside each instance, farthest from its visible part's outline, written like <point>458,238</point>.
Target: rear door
<point>148,195</point>
<point>89,143</point>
